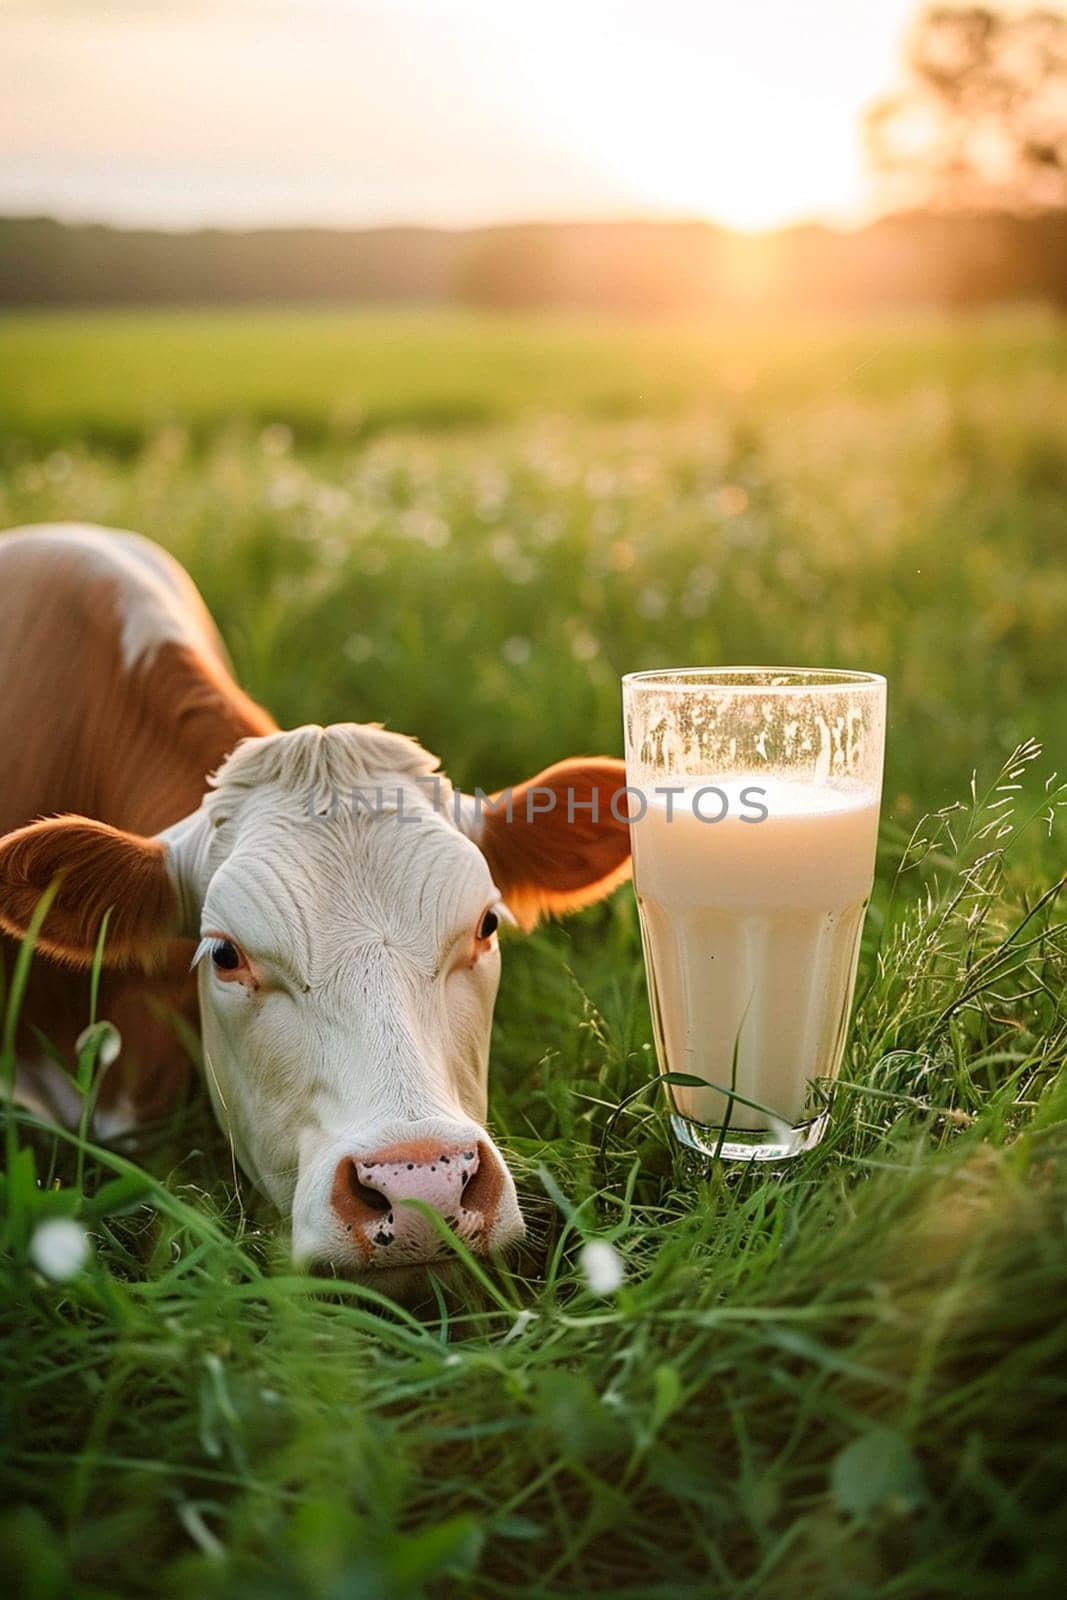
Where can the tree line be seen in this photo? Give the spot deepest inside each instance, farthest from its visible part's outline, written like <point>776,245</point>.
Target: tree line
<point>912,259</point>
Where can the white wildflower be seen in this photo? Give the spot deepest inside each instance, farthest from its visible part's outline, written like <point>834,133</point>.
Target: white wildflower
<point>284,491</point>
<point>331,501</point>
<point>521,570</point>
<point>504,549</point>
<point>585,646</point>
<point>519,1326</point>
<point>516,650</point>
<point>602,1266</point>
<point>59,1248</point>
<point>425,526</point>
<point>653,601</point>
<point>359,647</point>
<point>108,1041</point>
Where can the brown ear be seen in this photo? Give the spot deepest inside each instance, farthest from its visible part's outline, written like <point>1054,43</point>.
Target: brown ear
<point>558,844</point>
<point>98,867</point>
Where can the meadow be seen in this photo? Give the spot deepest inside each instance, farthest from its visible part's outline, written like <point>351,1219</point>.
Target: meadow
<point>844,1379</point>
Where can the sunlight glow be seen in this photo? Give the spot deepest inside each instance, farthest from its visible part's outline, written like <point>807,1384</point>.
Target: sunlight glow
<point>443,111</point>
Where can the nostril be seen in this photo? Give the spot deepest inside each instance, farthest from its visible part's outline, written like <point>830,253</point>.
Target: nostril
<point>373,1199</point>
<point>484,1184</point>
<point>356,1201</point>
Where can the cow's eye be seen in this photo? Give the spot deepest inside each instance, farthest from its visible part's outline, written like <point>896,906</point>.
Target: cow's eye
<point>488,925</point>
<point>229,961</point>
<point>225,955</point>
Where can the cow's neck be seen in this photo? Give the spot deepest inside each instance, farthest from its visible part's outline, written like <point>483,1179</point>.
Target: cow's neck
<point>188,715</point>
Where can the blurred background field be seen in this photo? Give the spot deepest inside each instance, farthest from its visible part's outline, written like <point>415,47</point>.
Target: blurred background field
<point>333,375</point>
<point>470,526</point>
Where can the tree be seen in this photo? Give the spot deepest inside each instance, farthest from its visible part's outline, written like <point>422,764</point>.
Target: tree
<point>981,119</point>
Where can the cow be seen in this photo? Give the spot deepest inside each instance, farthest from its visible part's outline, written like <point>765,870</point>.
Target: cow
<point>321,897</point>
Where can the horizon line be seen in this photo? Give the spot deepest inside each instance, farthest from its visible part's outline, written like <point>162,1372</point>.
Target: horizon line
<point>637,218</point>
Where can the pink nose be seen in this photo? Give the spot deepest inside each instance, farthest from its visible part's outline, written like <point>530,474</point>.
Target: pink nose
<point>462,1182</point>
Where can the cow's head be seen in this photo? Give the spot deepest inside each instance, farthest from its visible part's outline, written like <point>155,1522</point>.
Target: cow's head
<point>346,903</point>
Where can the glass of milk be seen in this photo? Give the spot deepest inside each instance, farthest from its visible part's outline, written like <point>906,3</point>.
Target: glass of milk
<point>753,799</point>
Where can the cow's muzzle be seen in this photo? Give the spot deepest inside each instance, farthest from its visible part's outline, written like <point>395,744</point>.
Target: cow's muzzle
<point>463,1184</point>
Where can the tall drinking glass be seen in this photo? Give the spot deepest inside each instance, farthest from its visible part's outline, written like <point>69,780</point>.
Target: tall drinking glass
<point>754,800</point>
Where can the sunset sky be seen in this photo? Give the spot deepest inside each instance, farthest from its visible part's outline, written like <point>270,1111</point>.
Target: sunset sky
<point>235,112</point>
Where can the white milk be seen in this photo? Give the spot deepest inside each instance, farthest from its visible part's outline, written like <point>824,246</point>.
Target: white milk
<point>751,933</point>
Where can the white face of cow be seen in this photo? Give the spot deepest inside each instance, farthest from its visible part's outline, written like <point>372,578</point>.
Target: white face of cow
<point>347,971</point>
<point>347,974</point>
<point>347,968</point>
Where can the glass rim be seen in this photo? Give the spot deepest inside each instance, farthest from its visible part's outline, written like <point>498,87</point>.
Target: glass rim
<point>806,679</point>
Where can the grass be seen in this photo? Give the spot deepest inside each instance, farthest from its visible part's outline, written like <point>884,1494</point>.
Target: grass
<point>114,379</point>
<point>846,1379</point>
